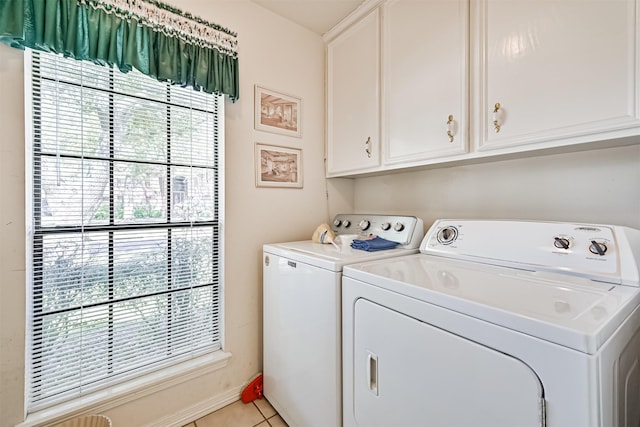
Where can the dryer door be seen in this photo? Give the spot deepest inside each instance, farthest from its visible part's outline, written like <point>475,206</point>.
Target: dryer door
<point>409,373</point>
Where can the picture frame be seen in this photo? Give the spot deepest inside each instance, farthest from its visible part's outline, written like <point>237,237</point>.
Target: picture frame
<point>278,166</point>
<point>277,112</point>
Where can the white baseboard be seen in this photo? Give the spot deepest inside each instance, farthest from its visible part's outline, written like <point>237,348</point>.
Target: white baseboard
<point>198,410</point>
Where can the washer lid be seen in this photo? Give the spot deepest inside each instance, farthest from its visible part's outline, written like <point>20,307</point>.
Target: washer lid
<point>570,311</point>
<point>328,256</point>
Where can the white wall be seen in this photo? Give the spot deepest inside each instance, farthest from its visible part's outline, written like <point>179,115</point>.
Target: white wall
<point>274,53</point>
<point>598,186</point>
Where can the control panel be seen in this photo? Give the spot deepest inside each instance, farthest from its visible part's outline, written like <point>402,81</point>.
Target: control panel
<point>406,230</point>
<point>600,252</point>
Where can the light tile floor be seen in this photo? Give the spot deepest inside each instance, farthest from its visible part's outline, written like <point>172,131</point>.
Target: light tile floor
<point>258,413</point>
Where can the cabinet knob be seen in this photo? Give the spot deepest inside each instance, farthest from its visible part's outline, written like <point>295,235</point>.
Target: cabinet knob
<point>367,145</point>
<point>450,126</point>
<point>496,117</point>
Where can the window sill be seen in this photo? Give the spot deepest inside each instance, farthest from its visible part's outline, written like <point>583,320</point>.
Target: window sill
<point>129,391</point>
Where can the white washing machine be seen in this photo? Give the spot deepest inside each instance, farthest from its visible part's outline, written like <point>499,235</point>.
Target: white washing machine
<point>496,323</point>
<point>302,315</point>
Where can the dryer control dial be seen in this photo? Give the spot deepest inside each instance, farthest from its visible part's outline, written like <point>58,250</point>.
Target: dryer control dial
<point>385,226</point>
<point>346,223</point>
<point>598,248</point>
<point>562,242</point>
<point>447,235</point>
<point>399,226</point>
<point>337,222</point>
<point>364,224</point>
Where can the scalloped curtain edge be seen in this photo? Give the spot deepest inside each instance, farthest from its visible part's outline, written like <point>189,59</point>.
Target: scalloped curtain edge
<point>83,32</point>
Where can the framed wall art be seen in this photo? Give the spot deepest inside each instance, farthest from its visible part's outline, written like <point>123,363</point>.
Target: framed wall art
<point>278,166</point>
<point>277,112</point>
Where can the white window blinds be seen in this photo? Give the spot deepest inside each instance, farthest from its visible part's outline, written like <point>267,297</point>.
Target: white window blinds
<point>125,227</point>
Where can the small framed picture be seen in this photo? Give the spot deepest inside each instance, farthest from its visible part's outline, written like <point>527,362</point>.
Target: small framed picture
<point>277,113</point>
<point>278,166</point>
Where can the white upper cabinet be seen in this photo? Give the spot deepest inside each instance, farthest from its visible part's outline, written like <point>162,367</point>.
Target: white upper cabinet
<point>421,82</point>
<point>425,79</point>
<point>555,72</point>
<point>353,98</point>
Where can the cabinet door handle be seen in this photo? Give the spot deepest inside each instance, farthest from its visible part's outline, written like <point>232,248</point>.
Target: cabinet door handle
<point>450,125</point>
<point>496,117</point>
<point>367,146</point>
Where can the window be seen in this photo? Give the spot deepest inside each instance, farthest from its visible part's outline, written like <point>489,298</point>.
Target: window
<point>125,227</point>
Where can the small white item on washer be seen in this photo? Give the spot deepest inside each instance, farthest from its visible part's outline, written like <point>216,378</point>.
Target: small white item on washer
<point>345,239</point>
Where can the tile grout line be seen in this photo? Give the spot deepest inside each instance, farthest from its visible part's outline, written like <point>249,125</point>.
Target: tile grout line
<point>253,402</point>
<point>264,417</point>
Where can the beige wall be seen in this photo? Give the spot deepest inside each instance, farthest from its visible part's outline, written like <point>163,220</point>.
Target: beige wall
<point>274,53</point>
<point>12,236</point>
<point>598,186</point>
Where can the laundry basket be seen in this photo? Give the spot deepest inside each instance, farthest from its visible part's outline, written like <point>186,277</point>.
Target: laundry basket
<point>87,421</point>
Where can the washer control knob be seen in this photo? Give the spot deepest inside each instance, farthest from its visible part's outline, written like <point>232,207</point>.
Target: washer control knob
<point>447,235</point>
<point>364,224</point>
<point>346,223</point>
<point>337,222</point>
<point>399,226</point>
<point>598,248</point>
<point>561,242</point>
<point>385,226</point>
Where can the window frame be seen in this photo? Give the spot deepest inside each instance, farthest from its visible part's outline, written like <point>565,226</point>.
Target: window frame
<point>144,381</point>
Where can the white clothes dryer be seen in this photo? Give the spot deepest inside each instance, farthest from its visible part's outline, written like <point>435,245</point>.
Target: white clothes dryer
<point>496,323</point>
<point>302,314</point>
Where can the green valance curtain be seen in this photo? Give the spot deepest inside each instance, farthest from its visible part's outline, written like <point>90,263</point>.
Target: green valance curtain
<point>156,39</point>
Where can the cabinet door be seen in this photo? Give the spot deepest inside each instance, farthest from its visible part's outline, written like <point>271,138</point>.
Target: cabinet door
<point>353,142</point>
<point>561,71</point>
<point>409,373</point>
<point>425,79</point>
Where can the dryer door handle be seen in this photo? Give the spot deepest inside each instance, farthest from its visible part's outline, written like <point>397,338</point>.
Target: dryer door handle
<point>372,373</point>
